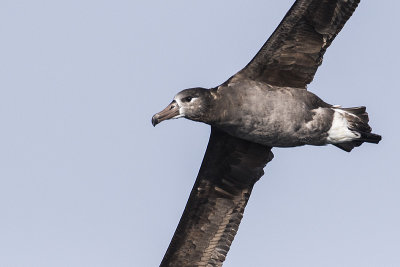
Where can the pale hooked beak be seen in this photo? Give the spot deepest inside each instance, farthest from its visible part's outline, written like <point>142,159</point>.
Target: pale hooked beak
<point>171,111</point>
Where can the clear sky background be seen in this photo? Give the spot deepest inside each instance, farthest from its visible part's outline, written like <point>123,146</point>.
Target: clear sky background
<point>85,180</point>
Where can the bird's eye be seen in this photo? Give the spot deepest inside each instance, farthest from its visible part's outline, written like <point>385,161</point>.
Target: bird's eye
<point>187,99</point>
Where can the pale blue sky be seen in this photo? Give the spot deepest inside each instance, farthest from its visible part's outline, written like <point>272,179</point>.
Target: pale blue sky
<point>85,180</point>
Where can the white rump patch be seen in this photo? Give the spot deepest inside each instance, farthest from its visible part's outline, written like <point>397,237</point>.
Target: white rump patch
<point>339,131</point>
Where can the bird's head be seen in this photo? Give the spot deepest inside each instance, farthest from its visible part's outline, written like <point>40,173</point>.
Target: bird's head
<point>192,104</point>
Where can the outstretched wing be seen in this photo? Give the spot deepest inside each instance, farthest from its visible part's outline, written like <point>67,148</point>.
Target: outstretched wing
<point>216,204</point>
<point>294,51</point>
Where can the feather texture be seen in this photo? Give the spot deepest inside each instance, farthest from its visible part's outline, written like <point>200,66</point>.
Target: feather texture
<point>216,204</point>
<point>293,53</point>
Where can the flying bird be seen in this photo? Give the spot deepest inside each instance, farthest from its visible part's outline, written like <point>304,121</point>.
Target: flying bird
<point>264,105</point>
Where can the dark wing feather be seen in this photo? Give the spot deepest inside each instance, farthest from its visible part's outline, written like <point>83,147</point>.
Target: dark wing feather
<point>215,207</point>
<point>294,51</point>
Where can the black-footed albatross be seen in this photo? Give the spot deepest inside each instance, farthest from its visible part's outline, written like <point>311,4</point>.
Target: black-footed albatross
<point>264,105</point>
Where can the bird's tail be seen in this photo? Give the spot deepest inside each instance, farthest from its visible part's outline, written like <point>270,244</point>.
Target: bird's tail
<point>356,121</point>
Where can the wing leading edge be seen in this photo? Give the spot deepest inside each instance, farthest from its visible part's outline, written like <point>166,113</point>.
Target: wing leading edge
<point>293,53</point>
<point>212,215</point>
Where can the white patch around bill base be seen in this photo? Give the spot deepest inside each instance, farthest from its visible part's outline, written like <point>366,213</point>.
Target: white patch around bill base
<point>178,116</point>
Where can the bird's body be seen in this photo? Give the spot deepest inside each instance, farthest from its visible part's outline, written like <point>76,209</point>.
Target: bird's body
<point>272,116</point>
<point>264,105</point>
<point>275,116</point>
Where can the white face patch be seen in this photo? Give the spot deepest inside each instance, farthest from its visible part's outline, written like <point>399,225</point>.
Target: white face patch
<point>339,131</point>
<point>181,110</point>
<point>178,116</point>
<point>177,100</point>
<point>182,105</point>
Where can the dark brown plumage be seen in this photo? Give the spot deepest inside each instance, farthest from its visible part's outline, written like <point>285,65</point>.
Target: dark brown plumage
<point>215,207</point>
<point>231,166</point>
<point>293,53</point>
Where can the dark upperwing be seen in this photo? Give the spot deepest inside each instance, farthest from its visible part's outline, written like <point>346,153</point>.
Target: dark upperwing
<point>293,53</point>
<point>215,207</point>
